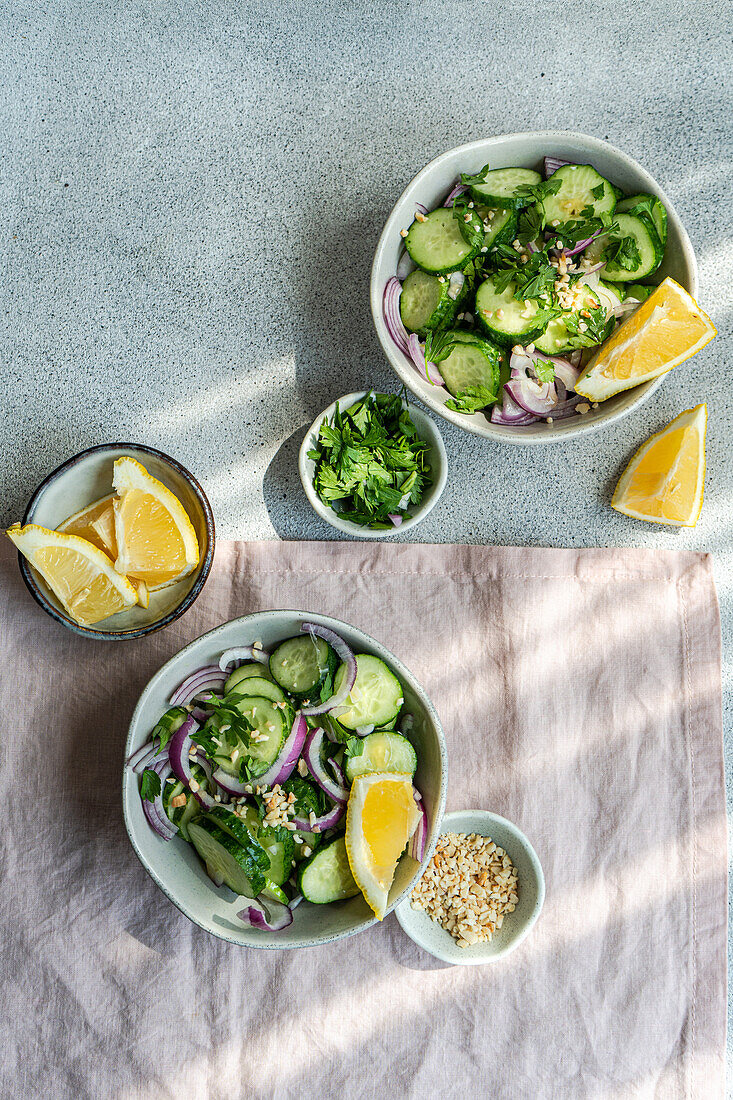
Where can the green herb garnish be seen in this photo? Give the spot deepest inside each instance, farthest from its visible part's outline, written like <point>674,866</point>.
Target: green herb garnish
<point>370,461</point>
<point>622,252</point>
<point>471,399</point>
<point>595,326</point>
<point>149,785</point>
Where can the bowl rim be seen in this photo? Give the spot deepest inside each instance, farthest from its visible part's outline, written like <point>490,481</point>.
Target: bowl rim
<point>400,668</point>
<point>409,377</point>
<point>427,428</point>
<point>39,596</point>
<point>488,817</point>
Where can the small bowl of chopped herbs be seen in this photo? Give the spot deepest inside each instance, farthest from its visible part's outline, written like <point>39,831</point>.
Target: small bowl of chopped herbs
<point>372,464</point>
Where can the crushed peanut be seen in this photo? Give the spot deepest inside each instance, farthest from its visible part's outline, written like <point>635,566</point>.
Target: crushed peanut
<point>179,800</point>
<point>468,888</point>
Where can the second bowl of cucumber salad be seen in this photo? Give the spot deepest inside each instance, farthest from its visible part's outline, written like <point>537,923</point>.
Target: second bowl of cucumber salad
<point>505,266</point>
<point>284,780</point>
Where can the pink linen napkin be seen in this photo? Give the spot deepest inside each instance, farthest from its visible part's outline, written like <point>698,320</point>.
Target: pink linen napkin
<point>580,696</point>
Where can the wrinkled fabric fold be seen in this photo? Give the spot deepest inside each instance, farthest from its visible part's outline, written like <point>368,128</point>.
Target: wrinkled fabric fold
<point>580,696</point>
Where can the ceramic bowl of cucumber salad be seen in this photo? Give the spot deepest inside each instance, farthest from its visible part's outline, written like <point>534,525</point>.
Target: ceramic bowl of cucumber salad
<point>506,265</point>
<point>284,780</point>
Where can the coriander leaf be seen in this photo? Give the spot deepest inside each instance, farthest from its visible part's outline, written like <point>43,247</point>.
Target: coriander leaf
<point>594,326</point>
<point>149,785</point>
<point>530,223</point>
<point>536,192</point>
<point>471,399</point>
<point>545,370</point>
<point>468,180</point>
<point>354,746</point>
<point>622,253</point>
<point>438,346</point>
<point>597,192</point>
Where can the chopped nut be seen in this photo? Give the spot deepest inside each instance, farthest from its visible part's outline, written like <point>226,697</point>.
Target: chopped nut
<point>179,800</point>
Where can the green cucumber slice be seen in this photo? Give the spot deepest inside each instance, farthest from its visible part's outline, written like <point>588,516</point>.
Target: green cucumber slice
<point>270,721</point>
<point>240,867</point>
<point>505,318</point>
<point>252,668</point>
<point>471,363</point>
<point>500,225</point>
<point>278,844</point>
<point>300,664</point>
<point>499,187</point>
<point>376,697</point>
<point>650,206</point>
<point>641,293</point>
<point>326,876</point>
<point>438,244</point>
<point>646,240</point>
<point>580,187</point>
<point>382,752</point>
<point>425,302</point>
<point>257,685</point>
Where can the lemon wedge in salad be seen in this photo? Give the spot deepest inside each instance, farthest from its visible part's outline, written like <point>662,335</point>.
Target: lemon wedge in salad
<point>80,575</point>
<point>156,542</point>
<point>665,480</point>
<point>381,816</point>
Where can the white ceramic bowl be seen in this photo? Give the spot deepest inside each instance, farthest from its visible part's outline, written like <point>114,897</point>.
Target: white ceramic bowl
<point>430,187</point>
<point>426,429</point>
<point>174,866</point>
<point>517,925</point>
<point>85,478</point>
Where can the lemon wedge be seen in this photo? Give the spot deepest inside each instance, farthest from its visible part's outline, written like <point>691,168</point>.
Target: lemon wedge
<point>96,524</point>
<point>156,542</point>
<point>664,482</point>
<point>80,575</point>
<point>666,329</point>
<point>381,816</point>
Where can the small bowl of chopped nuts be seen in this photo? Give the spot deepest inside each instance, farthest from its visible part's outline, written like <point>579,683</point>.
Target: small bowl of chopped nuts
<point>480,894</point>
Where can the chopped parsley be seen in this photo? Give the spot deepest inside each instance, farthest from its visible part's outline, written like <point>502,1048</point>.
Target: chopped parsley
<point>622,252</point>
<point>545,370</point>
<point>471,399</point>
<point>370,461</point>
<point>149,785</point>
<point>468,180</point>
<point>594,327</point>
<point>536,192</point>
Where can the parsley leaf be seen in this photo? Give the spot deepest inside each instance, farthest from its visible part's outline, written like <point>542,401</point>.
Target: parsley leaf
<point>536,192</point>
<point>354,746</point>
<point>597,192</point>
<point>545,370</point>
<point>471,399</point>
<point>470,224</point>
<point>595,325</point>
<point>149,785</point>
<point>622,253</point>
<point>468,180</point>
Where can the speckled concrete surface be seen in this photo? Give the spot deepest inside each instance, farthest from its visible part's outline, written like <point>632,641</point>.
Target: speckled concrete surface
<point>192,193</point>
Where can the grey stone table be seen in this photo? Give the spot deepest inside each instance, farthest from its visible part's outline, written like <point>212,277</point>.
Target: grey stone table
<point>192,192</point>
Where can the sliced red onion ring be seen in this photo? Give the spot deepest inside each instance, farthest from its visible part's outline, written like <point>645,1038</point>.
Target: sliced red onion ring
<point>210,677</point>
<point>269,916</point>
<point>243,653</point>
<point>537,398</point>
<point>422,209</point>
<point>143,757</point>
<point>338,772</point>
<point>179,750</point>
<point>591,271</point>
<point>154,812</point>
<point>279,770</point>
<point>581,245</point>
<point>396,518</point>
<point>511,414</point>
<point>564,369</point>
<point>552,164</point>
<point>428,370</point>
<point>339,646</point>
<point>405,265</point>
<point>419,839</point>
<point>326,821</point>
<point>312,757</point>
<point>391,310</point>
<point>459,189</point>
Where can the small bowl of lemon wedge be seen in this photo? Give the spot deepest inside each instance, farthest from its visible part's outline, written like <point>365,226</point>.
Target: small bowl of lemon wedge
<point>117,542</point>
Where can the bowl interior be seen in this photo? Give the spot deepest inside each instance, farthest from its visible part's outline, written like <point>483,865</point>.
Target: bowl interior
<point>174,865</point>
<point>426,933</point>
<point>438,459</point>
<point>86,478</point>
<point>431,186</point>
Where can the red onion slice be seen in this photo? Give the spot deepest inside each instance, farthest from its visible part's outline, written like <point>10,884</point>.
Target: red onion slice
<point>539,399</point>
<point>269,916</point>
<point>279,770</point>
<point>210,677</point>
<point>428,370</point>
<point>419,839</point>
<point>564,369</point>
<point>243,653</point>
<point>420,208</point>
<point>459,189</point>
<point>581,245</point>
<point>391,310</point>
<point>396,518</point>
<point>154,811</point>
<point>552,164</point>
<point>345,654</point>
<point>179,750</point>
<point>511,414</point>
<point>405,265</point>
<point>326,821</point>
<point>338,772</point>
<point>143,757</point>
<point>312,756</point>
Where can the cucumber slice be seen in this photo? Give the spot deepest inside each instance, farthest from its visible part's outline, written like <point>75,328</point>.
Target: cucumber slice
<point>191,811</point>
<point>300,664</point>
<point>268,720</point>
<point>500,225</point>
<point>471,363</point>
<point>556,338</point>
<point>173,789</point>
<point>499,188</point>
<point>425,302</point>
<point>277,844</point>
<point>438,244</point>
<point>252,668</point>
<point>577,185</point>
<point>618,290</point>
<point>650,206</point>
<point>376,696</point>
<point>240,867</point>
<point>646,240</point>
<point>641,293</point>
<point>503,317</point>
<point>257,685</point>
<point>382,752</point>
<point>225,818</point>
<point>326,876</point>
